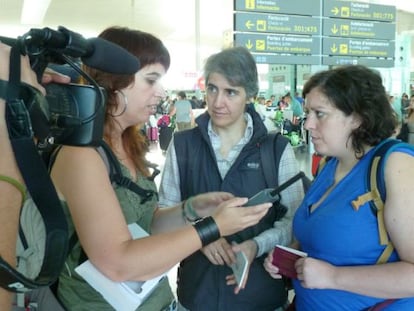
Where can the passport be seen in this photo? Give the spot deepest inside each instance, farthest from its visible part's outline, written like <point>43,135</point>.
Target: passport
<point>284,258</point>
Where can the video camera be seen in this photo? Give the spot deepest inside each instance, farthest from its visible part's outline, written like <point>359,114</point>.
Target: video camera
<point>70,114</point>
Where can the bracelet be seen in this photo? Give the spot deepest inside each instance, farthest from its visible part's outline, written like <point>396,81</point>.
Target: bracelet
<point>3,89</point>
<point>207,230</point>
<point>16,184</point>
<point>188,211</point>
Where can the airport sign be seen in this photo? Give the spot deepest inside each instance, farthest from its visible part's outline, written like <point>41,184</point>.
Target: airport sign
<point>366,61</point>
<point>296,7</point>
<point>268,58</point>
<point>275,23</point>
<point>358,47</point>
<point>358,29</point>
<point>281,44</point>
<point>359,10</point>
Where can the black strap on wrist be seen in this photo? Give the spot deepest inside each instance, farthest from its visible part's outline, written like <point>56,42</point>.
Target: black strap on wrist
<point>207,230</point>
<point>3,89</point>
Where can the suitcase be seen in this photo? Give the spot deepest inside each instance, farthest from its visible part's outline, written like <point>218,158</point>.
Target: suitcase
<point>165,135</point>
<point>152,133</point>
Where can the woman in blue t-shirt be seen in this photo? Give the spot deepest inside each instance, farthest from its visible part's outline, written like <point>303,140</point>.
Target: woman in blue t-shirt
<point>348,117</point>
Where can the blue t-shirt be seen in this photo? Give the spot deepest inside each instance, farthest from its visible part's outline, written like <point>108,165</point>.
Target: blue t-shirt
<point>337,233</point>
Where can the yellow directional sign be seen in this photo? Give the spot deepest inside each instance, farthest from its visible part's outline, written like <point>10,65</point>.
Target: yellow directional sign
<point>358,47</point>
<point>343,49</point>
<point>358,29</point>
<point>359,10</point>
<point>258,22</point>
<point>316,31</point>
<point>274,43</point>
<point>249,24</point>
<point>269,58</point>
<point>334,29</point>
<point>297,7</point>
<point>345,31</point>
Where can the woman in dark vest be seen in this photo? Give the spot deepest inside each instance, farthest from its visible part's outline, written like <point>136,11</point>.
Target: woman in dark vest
<point>223,154</point>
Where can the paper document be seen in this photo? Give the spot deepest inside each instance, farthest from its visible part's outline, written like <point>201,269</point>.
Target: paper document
<point>240,267</point>
<point>121,296</point>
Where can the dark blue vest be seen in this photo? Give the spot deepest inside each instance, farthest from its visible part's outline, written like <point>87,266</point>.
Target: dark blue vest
<point>201,285</point>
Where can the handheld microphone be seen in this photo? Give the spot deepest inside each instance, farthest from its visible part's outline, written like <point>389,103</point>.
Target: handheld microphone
<point>95,52</point>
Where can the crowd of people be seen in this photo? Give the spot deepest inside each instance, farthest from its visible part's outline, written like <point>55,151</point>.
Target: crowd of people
<point>198,217</point>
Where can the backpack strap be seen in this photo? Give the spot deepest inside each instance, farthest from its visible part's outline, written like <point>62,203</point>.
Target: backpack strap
<point>376,195</point>
<point>271,150</point>
<point>116,176</point>
<point>322,162</point>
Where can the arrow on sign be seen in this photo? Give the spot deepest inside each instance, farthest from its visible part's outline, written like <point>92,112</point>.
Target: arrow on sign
<point>335,11</point>
<point>249,45</point>
<point>334,29</point>
<point>249,24</point>
<point>334,49</point>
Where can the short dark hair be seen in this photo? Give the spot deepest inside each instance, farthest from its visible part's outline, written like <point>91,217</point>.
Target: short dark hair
<point>238,66</point>
<point>358,89</point>
<point>182,94</point>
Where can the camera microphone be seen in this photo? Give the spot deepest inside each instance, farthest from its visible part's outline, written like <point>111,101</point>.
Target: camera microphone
<point>95,52</point>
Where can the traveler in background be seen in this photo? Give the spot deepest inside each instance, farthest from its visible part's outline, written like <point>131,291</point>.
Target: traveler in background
<point>273,101</point>
<point>284,102</point>
<point>99,211</point>
<point>296,107</point>
<point>166,105</point>
<point>195,103</point>
<point>183,112</point>
<point>223,153</point>
<point>299,98</point>
<point>396,110</point>
<point>334,225</point>
<point>408,124</point>
<point>405,102</point>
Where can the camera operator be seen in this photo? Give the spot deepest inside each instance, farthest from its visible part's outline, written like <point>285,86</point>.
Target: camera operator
<point>101,227</point>
<point>12,189</point>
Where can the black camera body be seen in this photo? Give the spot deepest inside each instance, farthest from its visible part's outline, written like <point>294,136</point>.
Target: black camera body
<point>76,114</point>
<point>70,114</point>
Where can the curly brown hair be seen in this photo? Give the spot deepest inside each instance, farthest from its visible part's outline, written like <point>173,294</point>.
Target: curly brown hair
<point>359,90</point>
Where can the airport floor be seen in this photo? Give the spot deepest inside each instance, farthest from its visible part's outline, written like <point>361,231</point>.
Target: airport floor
<point>303,155</point>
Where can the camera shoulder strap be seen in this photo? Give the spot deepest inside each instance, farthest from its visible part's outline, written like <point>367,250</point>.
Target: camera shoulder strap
<point>40,187</point>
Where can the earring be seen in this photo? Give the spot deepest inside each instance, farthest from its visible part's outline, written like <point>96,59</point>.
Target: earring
<point>125,103</point>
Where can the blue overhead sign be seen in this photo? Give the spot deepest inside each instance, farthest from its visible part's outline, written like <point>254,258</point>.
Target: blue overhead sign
<point>316,31</point>
<point>349,60</point>
<point>358,47</point>
<point>297,7</point>
<point>336,27</point>
<point>275,23</point>
<point>359,10</point>
<point>275,43</point>
<point>267,58</point>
